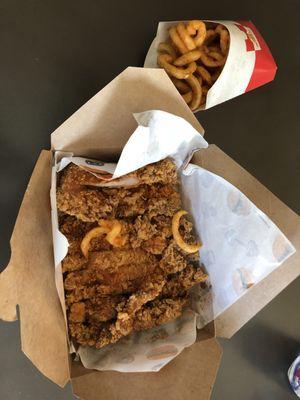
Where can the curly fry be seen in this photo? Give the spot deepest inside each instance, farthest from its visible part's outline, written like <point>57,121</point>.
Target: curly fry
<point>164,61</point>
<point>167,48</point>
<point>185,37</point>
<point>213,48</point>
<point>205,89</point>
<point>187,97</point>
<point>113,235</point>
<point>224,38</point>
<point>200,79</point>
<point>210,36</point>
<point>188,248</point>
<point>217,56</point>
<point>206,76</point>
<point>219,28</point>
<point>200,42</point>
<point>177,41</point>
<point>203,100</point>
<point>180,85</point>
<point>187,58</point>
<point>216,75</point>
<point>224,41</point>
<point>198,27</point>
<point>210,62</point>
<point>95,232</point>
<point>197,91</point>
<point>205,49</point>
<point>110,228</point>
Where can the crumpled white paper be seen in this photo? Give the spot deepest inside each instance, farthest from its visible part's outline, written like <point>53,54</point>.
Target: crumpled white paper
<point>241,245</point>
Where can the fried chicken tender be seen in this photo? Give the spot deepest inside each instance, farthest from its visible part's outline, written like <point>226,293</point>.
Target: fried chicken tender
<point>112,291</point>
<point>116,280</point>
<point>152,314</point>
<point>113,259</point>
<point>112,270</point>
<point>75,229</point>
<point>76,195</point>
<point>96,309</point>
<point>178,284</point>
<point>99,291</point>
<point>163,171</point>
<point>158,312</point>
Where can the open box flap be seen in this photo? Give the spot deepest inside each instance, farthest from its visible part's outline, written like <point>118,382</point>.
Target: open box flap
<point>232,319</point>
<point>190,375</point>
<point>42,325</point>
<point>28,281</point>
<point>106,121</point>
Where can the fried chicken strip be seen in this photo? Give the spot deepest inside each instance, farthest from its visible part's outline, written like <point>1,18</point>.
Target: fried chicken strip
<point>116,280</point>
<point>90,204</point>
<point>178,284</point>
<point>74,230</point>
<point>152,314</point>
<point>143,306</point>
<point>113,291</point>
<point>96,309</point>
<point>112,260</point>
<point>163,171</point>
<point>99,290</point>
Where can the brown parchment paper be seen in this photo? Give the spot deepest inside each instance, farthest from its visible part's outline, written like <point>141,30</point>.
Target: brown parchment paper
<point>29,280</point>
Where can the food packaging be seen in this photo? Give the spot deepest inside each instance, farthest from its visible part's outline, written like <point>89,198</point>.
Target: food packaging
<point>30,281</point>
<point>294,376</point>
<point>249,63</point>
<point>240,244</point>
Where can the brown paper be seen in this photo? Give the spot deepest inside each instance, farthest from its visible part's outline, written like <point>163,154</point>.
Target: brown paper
<point>29,280</point>
<point>100,128</point>
<point>189,376</point>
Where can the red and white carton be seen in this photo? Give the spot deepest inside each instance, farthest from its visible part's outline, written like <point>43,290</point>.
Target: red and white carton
<point>249,64</point>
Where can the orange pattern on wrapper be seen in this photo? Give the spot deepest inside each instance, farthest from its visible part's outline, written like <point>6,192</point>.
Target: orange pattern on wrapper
<point>242,279</point>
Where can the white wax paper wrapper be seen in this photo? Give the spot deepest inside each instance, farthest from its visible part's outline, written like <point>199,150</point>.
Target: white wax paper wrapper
<point>249,62</point>
<point>241,245</point>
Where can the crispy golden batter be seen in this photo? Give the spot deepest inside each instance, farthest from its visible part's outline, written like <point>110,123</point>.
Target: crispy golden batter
<point>178,284</point>
<point>158,312</point>
<point>119,277</point>
<point>152,314</point>
<point>145,280</point>
<point>163,171</point>
<point>96,309</point>
<point>113,259</point>
<point>76,196</point>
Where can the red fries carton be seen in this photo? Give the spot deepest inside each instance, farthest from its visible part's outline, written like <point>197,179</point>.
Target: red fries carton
<point>249,62</point>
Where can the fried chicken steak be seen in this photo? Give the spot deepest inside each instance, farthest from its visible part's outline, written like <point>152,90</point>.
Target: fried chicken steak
<point>125,269</point>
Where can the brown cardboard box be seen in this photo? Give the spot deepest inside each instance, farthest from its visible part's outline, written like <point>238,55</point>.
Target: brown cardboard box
<point>100,129</point>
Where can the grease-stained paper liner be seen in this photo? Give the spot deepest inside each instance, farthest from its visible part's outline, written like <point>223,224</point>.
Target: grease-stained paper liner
<point>241,245</point>
<point>249,62</point>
